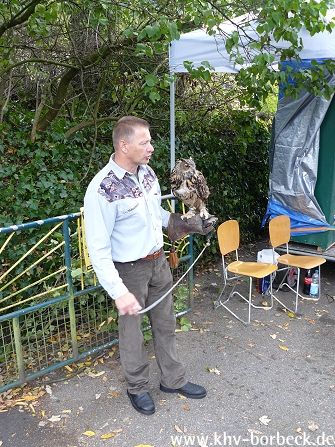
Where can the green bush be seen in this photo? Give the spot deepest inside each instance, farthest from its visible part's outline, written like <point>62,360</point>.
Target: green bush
<point>49,177</point>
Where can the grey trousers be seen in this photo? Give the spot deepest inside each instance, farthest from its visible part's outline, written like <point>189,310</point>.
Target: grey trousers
<point>148,281</point>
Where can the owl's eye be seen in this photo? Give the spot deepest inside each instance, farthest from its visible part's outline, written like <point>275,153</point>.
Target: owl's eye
<point>187,166</point>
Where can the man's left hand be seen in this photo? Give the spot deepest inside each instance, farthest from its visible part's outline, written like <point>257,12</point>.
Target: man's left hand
<point>178,228</point>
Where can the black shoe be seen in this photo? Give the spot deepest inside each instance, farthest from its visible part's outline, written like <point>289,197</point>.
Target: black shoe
<point>190,390</point>
<point>142,402</point>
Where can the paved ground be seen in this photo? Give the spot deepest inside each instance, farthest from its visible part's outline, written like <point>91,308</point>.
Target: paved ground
<point>269,383</point>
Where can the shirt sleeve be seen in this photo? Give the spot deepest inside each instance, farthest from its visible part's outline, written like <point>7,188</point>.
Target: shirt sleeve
<point>165,217</point>
<point>99,219</point>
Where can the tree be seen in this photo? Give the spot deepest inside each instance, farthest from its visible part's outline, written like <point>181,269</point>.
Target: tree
<point>92,61</point>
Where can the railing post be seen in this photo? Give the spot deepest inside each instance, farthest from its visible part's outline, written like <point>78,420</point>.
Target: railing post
<point>18,349</point>
<point>72,313</point>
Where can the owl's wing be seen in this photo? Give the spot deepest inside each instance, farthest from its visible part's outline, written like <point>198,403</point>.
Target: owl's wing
<point>175,180</point>
<point>201,187</point>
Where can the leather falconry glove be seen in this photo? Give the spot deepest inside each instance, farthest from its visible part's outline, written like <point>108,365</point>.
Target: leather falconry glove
<point>178,228</point>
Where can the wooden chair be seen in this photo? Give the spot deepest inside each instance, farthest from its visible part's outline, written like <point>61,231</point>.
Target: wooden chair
<point>280,233</point>
<point>229,240</point>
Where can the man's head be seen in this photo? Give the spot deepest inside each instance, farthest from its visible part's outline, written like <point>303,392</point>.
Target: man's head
<point>125,129</point>
<point>132,143</point>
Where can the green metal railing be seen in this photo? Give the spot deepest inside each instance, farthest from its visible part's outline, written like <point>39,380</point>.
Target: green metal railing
<point>52,310</point>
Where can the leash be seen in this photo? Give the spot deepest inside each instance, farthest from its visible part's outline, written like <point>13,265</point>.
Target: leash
<point>175,285</point>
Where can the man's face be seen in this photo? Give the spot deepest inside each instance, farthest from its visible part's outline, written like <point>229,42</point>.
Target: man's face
<point>139,149</point>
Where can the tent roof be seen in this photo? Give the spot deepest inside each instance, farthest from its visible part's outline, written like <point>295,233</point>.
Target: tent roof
<point>198,46</point>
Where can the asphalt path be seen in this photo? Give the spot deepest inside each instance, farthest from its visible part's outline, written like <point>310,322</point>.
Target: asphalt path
<point>269,383</point>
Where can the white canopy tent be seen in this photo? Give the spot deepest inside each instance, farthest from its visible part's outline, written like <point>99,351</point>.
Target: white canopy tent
<point>198,46</point>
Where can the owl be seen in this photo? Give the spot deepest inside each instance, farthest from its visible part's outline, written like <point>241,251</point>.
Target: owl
<point>189,185</point>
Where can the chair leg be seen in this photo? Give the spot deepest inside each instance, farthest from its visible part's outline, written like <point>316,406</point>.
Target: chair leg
<point>296,291</point>
<point>247,300</point>
<point>297,294</point>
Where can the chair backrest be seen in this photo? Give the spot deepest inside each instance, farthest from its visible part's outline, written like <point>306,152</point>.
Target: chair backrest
<point>279,230</point>
<point>228,236</point>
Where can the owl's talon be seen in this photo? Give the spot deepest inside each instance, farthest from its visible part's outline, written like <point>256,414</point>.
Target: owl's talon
<point>188,215</point>
<point>204,214</point>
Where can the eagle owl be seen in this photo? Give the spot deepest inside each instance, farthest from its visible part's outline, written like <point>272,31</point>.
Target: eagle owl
<point>189,185</point>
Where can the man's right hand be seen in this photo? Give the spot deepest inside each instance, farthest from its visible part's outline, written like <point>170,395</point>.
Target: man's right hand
<point>127,304</point>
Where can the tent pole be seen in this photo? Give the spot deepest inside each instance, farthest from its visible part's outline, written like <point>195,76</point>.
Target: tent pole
<point>172,130</point>
<point>172,127</point>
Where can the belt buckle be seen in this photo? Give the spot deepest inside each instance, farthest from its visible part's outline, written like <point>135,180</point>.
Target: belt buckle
<point>156,254</point>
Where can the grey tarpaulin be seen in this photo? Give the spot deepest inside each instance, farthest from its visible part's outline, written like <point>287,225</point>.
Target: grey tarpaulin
<point>294,153</point>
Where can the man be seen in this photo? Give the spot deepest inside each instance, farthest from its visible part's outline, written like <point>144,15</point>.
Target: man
<point>123,226</point>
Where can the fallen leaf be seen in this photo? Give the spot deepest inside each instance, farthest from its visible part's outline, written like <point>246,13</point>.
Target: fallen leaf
<point>114,394</point>
<point>214,370</point>
<point>181,396</point>
<point>178,429</point>
<point>264,420</point>
<point>29,398</point>
<point>107,436</point>
<point>89,433</point>
<point>186,407</point>
<point>97,396</point>
<point>312,426</point>
<point>274,336</point>
<point>48,389</point>
<point>257,432</point>
<point>310,320</point>
<point>284,348</point>
<point>220,348</point>
<point>91,374</point>
<point>54,419</point>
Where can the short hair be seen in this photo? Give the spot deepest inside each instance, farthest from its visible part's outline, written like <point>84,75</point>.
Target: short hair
<point>124,129</point>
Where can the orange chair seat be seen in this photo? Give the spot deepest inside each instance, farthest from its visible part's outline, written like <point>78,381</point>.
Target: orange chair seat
<point>254,269</point>
<point>302,262</point>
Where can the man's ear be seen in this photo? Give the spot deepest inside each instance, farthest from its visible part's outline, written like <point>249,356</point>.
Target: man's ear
<point>123,145</point>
